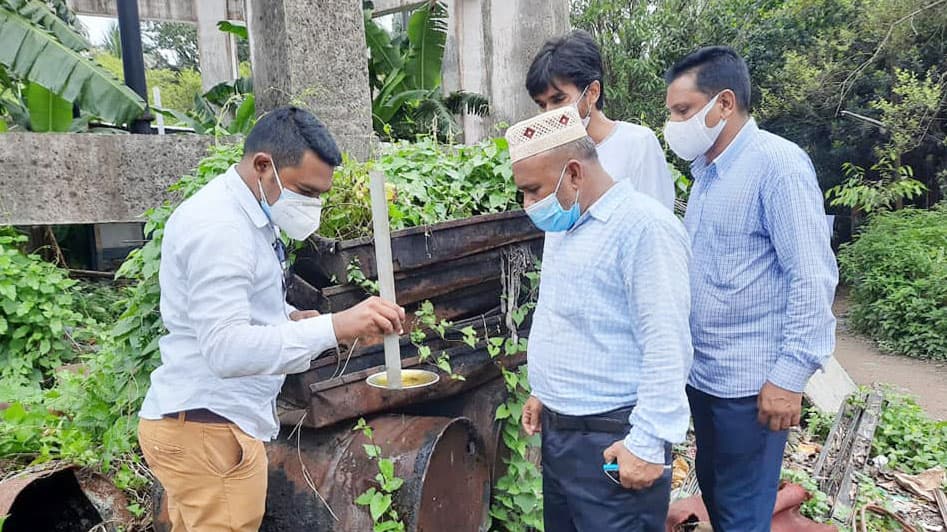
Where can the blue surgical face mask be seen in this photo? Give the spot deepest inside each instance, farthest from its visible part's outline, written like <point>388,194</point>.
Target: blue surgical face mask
<point>549,216</point>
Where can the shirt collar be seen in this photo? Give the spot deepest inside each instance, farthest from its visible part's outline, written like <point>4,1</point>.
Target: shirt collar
<point>724,161</point>
<point>603,208</point>
<point>244,197</point>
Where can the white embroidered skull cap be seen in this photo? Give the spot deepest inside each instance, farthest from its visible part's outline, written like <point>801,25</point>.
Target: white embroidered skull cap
<point>544,132</point>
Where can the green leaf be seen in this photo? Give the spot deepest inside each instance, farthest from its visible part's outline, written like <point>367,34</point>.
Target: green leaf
<point>48,112</point>
<point>245,117</point>
<point>427,36</point>
<point>379,505</point>
<point>3,126</point>
<point>32,53</point>
<point>40,15</point>
<point>366,498</point>
<point>371,450</point>
<point>502,412</point>
<point>14,413</point>
<point>387,468</point>
<point>240,30</point>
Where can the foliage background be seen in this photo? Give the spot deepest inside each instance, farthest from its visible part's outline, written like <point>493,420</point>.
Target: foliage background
<point>897,270</point>
<point>809,60</point>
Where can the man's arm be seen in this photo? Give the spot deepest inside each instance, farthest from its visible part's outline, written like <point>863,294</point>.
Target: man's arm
<point>795,218</point>
<point>657,279</point>
<point>219,263</point>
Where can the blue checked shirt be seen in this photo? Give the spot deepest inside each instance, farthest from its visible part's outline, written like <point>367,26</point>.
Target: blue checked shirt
<point>610,328</point>
<point>763,274</point>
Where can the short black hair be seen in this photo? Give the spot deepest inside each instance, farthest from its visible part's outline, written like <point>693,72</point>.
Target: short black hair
<point>717,68</point>
<point>287,132</point>
<point>573,57</point>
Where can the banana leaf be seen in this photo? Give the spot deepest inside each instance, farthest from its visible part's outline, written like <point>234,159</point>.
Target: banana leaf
<point>427,36</point>
<point>48,112</point>
<point>385,58</point>
<point>33,53</point>
<point>39,14</point>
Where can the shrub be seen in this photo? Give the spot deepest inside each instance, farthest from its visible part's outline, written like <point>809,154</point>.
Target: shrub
<point>897,268</point>
<point>38,327</point>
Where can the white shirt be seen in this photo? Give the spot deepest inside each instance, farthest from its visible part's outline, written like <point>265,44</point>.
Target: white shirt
<point>632,153</point>
<point>230,342</point>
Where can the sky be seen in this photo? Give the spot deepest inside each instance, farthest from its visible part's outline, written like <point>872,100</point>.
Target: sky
<point>97,26</point>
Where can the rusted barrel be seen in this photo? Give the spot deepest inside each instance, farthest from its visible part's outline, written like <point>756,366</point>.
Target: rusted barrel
<point>442,461</point>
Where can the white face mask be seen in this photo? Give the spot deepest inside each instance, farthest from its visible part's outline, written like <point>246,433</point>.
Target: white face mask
<point>691,138</point>
<point>294,213</point>
<point>588,117</point>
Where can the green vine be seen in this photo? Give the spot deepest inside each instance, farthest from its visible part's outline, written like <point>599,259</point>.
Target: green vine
<point>517,504</point>
<point>379,500</point>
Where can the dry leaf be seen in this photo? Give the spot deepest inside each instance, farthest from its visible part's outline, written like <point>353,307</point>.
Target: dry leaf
<point>923,483</point>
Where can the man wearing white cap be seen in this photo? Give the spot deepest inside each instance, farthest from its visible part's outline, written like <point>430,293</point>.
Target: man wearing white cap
<point>609,349</point>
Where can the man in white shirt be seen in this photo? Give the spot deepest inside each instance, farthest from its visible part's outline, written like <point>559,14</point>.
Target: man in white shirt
<point>231,337</point>
<point>568,71</point>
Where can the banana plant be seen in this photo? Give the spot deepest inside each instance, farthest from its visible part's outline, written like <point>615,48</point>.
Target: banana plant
<point>38,48</point>
<point>405,75</point>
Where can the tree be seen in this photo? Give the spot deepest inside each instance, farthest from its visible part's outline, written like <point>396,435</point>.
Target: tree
<point>405,76</point>
<point>173,44</point>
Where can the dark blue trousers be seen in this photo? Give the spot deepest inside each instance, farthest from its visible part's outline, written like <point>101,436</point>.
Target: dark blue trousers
<point>579,497</point>
<point>738,462</point>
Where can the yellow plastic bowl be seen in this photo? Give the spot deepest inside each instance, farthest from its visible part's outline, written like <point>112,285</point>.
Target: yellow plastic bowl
<point>410,378</point>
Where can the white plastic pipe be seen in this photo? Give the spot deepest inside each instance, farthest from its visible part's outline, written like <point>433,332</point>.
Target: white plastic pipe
<point>386,276</point>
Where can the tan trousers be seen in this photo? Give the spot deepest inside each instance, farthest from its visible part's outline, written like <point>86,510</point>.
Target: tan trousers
<point>214,474</point>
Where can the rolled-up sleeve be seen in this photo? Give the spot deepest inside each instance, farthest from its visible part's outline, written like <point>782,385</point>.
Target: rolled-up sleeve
<point>795,218</point>
<point>219,263</point>
<point>656,273</point>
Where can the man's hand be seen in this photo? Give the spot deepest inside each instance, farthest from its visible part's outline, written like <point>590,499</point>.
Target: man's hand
<point>372,317</point>
<point>299,315</point>
<point>634,473</point>
<point>532,416</point>
<point>778,408</point>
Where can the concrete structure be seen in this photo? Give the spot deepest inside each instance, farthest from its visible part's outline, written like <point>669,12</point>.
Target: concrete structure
<point>315,56</point>
<point>490,45</point>
<point>218,50</point>
<point>51,179</point>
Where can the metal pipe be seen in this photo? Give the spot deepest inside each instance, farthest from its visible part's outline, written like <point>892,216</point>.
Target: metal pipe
<point>133,60</point>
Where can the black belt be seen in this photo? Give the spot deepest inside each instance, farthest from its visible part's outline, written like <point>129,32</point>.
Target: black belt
<point>198,415</point>
<point>615,421</point>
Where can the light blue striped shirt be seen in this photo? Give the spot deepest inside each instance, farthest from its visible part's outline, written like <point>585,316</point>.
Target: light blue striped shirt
<point>610,328</point>
<point>763,274</point>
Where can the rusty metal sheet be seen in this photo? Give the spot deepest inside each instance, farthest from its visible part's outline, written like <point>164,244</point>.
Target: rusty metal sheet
<point>440,459</point>
<point>54,498</point>
<point>352,397</point>
<point>416,247</point>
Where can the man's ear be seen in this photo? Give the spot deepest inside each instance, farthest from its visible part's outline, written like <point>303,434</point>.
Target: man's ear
<point>575,170</point>
<point>262,162</point>
<point>728,104</point>
<point>595,93</point>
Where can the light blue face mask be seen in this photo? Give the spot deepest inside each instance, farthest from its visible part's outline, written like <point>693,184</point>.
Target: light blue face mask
<point>549,216</point>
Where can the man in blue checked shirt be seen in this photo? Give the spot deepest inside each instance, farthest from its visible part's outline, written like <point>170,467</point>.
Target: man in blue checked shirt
<point>610,347</point>
<point>762,280</point>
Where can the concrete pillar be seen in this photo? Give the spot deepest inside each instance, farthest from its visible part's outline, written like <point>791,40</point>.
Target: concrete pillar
<point>218,50</point>
<point>314,55</point>
<point>514,31</point>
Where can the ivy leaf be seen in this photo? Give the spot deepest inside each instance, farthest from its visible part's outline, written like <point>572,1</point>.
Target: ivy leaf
<point>366,498</point>
<point>387,468</point>
<point>379,505</point>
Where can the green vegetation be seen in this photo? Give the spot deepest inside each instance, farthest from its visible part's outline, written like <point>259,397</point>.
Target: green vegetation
<point>897,269</point>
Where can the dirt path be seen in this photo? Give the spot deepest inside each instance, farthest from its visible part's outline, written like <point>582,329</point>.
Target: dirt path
<point>866,364</point>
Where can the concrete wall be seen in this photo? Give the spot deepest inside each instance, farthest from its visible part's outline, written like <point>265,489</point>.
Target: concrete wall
<point>166,10</point>
<point>489,49</point>
<point>49,178</point>
<point>314,55</point>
